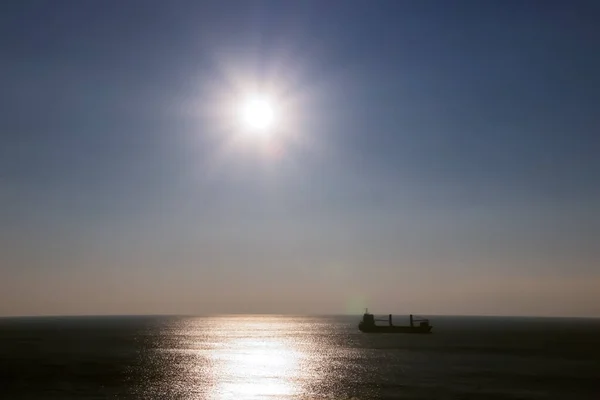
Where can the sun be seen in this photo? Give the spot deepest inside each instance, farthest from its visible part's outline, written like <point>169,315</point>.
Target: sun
<point>257,114</point>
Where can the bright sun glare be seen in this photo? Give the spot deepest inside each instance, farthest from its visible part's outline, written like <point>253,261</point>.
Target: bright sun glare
<point>257,114</point>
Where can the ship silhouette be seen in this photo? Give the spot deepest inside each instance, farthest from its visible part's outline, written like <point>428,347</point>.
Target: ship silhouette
<point>417,325</point>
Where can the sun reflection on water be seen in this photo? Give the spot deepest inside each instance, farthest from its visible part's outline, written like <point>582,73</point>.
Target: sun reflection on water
<point>249,357</point>
<point>254,368</point>
<point>245,357</point>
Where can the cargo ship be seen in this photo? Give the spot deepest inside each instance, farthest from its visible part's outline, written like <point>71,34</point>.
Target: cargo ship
<point>417,325</point>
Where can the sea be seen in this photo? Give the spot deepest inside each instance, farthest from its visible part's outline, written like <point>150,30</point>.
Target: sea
<point>296,357</point>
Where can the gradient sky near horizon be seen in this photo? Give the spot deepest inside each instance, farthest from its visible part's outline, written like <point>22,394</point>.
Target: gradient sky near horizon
<point>436,157</point>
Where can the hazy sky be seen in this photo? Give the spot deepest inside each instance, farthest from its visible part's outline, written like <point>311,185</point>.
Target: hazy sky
<point>434,157</point>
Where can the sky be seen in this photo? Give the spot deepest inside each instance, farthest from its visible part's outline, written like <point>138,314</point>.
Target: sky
<point>431,157</point>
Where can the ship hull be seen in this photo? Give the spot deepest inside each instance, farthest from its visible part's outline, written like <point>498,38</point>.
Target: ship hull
<point>395,329</point>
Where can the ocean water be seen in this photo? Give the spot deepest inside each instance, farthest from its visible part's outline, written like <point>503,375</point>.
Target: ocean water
<point>295,357</point>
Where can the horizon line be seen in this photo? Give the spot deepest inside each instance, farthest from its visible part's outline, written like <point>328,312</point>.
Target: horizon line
<point>204,315</point>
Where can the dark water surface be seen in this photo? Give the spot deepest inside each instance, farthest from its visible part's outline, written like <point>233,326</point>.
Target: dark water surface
<point>285,357</point>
